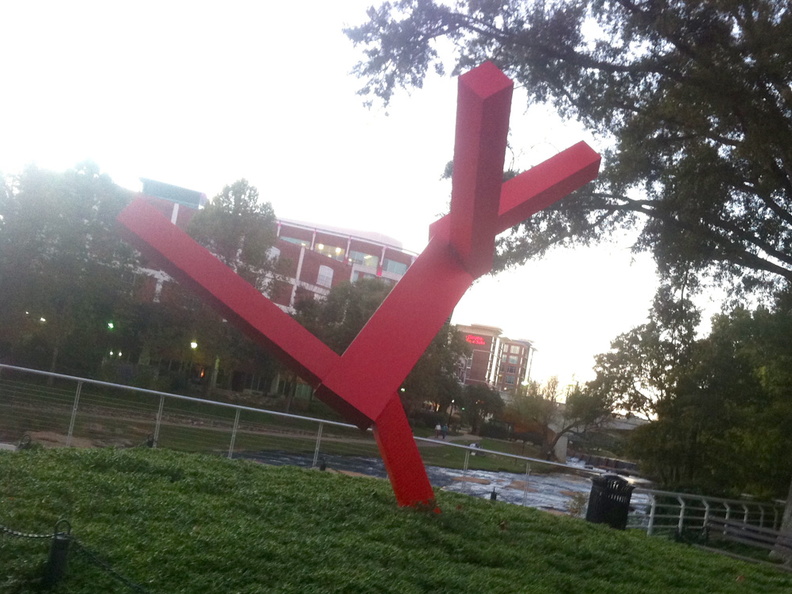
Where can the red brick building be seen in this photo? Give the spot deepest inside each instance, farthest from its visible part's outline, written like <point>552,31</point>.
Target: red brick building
<point>497,361</point>
<point>313,259</point>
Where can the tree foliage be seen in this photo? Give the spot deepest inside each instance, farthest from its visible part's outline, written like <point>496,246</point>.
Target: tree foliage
<point>63,269</point>
<point>479,402</point>
<point>693,97</point>
<point>239,228</point>
<point>546,409</point>
<point>643,368</point>
<point>721,422</point>
<point>338,319</point>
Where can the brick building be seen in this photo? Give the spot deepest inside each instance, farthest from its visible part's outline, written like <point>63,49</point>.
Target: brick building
<point>496,361</point>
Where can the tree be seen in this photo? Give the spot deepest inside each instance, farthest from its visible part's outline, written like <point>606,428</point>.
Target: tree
<point>721,426</point>
<point>434,378</point>
<point>556,414</point>
<point>63,269</point>
<point>239,228</point>
<point>643,367</point>
<point>693,97</point>
<point>340,317</point>
<point>478,402</point>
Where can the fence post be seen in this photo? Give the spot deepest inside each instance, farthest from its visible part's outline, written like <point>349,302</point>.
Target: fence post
<point>318,445</point>
<point>652,511</point>
<point>681,523</point>
<point>233,434</point>
<point>159,421</point>
<point>74,414</point>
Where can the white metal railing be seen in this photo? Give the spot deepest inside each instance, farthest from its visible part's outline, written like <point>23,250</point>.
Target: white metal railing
<point>668,512</point>
<point>87,412</point>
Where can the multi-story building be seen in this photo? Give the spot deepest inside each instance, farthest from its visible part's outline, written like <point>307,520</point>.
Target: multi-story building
<point>495,360</point>
<point>313,259</point>
<point>481,366</point>
<point>514,363</point>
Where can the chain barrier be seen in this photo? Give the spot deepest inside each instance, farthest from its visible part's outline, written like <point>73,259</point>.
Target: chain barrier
<point>10,532</point>
<point>101,563</point>
<point>56,563</point>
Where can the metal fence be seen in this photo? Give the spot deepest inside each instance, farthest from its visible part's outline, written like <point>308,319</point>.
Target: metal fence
<point>667,513</point>
<point>60,410</point>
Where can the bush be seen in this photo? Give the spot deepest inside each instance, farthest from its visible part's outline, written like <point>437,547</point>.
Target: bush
<point>428,418</point>
<point>494,430</point>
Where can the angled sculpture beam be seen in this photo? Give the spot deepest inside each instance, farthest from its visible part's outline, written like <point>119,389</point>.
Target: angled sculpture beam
<point>362,384</point>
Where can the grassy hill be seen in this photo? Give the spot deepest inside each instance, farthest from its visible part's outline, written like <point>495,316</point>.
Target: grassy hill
<point>174,522</point>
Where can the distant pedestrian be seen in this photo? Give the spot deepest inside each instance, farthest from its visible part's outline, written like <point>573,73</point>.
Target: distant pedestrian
<point>444,431</point>
<point>438,430</point>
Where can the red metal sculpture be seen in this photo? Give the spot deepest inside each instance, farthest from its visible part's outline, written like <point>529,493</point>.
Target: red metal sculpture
<point>363,383</point>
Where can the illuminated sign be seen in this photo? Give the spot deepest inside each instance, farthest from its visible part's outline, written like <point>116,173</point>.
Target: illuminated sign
<point>473,339</point>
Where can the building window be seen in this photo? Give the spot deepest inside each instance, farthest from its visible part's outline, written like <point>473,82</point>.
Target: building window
<point>363,259</point>
<point>511,369</point>
<point>325,276</point>
<point>301,242</point>
<point>357,275</point>
<point>514,359</point>
<point>509,379</point>
<point>394,267</point>
<point>515,349</point>
<point>331,251</point>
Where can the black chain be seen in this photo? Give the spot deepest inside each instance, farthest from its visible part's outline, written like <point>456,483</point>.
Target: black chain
<point>96,560</point>
<point>7,530</point>
<point>80,549</point>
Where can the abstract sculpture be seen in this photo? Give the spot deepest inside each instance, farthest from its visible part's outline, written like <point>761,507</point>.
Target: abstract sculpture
<point>363,383</point>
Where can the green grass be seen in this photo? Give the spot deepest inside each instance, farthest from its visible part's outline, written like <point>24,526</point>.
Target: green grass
<point>176,522</point>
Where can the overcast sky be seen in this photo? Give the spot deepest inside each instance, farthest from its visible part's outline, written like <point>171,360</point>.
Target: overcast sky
<point>202,94</point>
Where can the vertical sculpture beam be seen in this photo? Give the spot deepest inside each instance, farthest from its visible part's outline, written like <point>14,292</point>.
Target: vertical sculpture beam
<point>482,127</point>
<point>362,384</point>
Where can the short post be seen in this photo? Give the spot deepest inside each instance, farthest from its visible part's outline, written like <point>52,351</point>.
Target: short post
<point>58,555</point>
<point>159,420</point>
<point>681,523</point>
<point>318,446</point>
<point>234,434</point>
<point>74,414</point>
<point>652,512</point>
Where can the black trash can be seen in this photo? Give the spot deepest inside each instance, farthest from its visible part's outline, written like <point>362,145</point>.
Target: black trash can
<point>609,501</point>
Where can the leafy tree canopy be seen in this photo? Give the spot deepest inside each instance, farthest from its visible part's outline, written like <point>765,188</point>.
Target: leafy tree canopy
<point>643,368</point>
<point>239,228</point>
<point>62,266</point>
<point>694,98</point>
<point>479,401</point>
<point>546,408</point>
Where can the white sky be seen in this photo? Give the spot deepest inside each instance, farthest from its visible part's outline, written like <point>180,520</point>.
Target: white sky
<point>202,94</point>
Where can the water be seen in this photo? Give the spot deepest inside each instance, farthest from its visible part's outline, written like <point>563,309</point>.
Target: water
<point>550,492</point>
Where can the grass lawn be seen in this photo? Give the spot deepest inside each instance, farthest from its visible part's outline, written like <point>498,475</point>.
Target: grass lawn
<point>175,522</point>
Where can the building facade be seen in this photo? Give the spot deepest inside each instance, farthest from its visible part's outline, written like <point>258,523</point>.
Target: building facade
<point>496,361</point>
<point>313,259</point>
